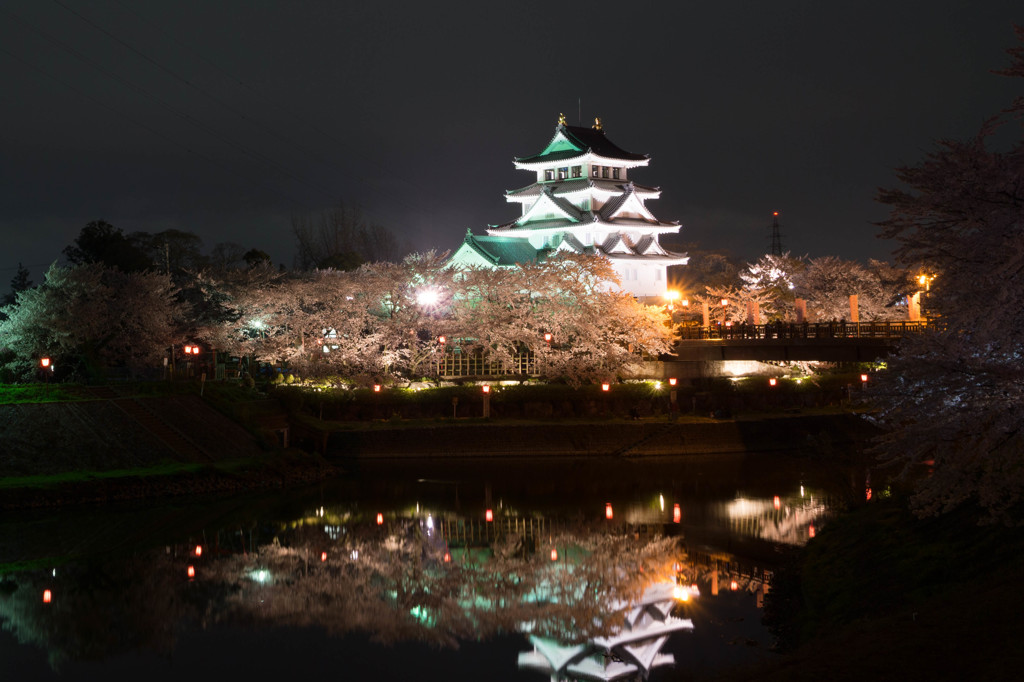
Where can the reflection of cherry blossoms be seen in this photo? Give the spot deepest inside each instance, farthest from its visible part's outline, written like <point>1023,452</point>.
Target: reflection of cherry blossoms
<point>404,585</point>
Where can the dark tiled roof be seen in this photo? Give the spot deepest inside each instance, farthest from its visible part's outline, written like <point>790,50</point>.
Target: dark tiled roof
<point>584,139</point>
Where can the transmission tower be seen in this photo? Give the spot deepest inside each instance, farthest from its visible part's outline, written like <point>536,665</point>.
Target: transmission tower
<point>776,249</point>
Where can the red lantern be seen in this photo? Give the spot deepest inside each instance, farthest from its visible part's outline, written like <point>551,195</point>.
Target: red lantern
<point>441,340</point>
<point>810,531</point>
<point>672,381</point>
<point>485,388</point>
<point>44,362</point>
<point>677,514</point>
<point>608,514</point>
<point>772,381</point>
<point>864,378</point>
<point>733,585</point>
<point>606,387</point>
<point>554,554</point>
<point>447,557</point>
<point>199,550</point>
<point>547,337</point>
<point>776,502</point>
<point>376,388</point>
<point>47,596</point>
<point>380,519</point>
<point>489,516</point>
<point>191,572</point>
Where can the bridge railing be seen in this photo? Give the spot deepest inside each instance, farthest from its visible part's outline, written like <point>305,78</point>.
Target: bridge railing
<point>806,330</point>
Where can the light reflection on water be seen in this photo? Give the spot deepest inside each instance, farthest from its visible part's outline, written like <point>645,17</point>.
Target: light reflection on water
<point>406,562</point>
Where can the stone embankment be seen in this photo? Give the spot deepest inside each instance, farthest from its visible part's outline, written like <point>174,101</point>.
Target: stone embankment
<point>793,434</point>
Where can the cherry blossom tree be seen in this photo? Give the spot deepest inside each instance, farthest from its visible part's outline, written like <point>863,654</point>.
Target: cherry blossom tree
<point>827,284</point>
<point>775,278</point>
<point>952,398</point>
<point>91,317</point>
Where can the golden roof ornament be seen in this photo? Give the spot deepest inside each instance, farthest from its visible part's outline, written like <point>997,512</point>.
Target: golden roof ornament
<point>561,119</point>
<point>597,123</point>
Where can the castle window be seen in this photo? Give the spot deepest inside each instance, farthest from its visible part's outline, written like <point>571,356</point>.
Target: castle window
<point>549,174</point>
<point>577,171</point>
<point>595,170</point>
<point>615,173</point>
<point>604,171</point>
<point>563,172</point>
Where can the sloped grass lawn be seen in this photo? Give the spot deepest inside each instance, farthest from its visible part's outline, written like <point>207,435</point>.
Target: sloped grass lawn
<point>16,394</point>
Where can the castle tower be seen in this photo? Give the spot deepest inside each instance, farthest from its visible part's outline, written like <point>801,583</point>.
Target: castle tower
<point>582,200</point>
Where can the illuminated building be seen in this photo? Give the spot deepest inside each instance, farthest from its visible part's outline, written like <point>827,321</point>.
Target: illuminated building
<point>583,201</point>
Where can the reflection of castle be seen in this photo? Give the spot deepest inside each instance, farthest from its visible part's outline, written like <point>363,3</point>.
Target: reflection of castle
<point>630,654</point>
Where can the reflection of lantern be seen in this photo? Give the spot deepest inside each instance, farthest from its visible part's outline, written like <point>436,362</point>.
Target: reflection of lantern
<point>677,514</point>
<point>776,502</point>
<point>323,556</point>
<point>47,596</point>
<point>199,550</point>
<point>608,514</point>
<point>191,571</point>
<point>380,519</point>
<point>489,515</point>
<point>447,557</point>
<point>554,554</point>
<point>810,531</point>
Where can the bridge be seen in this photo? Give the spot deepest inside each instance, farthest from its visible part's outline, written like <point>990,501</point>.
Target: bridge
<point>791,342</point>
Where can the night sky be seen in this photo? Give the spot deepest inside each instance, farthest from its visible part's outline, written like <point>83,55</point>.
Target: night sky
<point>225,118</point>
